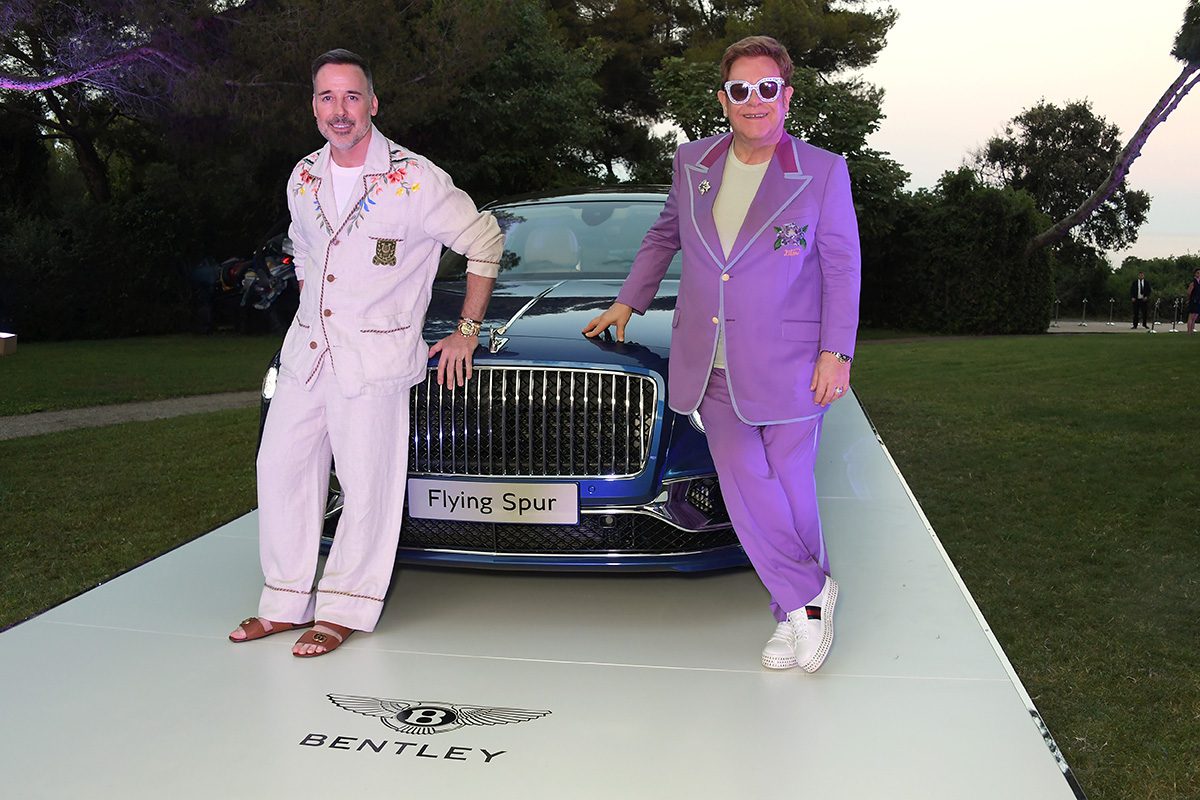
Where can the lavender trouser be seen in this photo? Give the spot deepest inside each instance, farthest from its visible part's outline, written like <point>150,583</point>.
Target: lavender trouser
<point>767,480</point>
<point>368,438</point>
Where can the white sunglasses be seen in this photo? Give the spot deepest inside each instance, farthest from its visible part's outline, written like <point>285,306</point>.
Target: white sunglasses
<point>768,90</point>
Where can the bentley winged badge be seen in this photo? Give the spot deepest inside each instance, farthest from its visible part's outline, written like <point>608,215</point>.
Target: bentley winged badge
<point>424,717</point>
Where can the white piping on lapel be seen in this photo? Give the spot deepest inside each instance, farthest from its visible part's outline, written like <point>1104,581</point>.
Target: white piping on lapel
<point>699,169</point>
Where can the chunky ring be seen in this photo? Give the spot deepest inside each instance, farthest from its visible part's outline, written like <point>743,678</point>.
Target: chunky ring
<point>839,390</point>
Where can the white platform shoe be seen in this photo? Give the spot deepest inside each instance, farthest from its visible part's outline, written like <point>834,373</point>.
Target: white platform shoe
<point>805,638</point>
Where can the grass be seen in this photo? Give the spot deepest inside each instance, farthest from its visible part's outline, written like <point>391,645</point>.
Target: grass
<point>50,376</point>
<point>80,507</point>
<point>1055,469</point>
<point>1057,472</point>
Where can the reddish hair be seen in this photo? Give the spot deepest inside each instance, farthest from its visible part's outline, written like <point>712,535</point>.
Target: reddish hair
<point>757,46</point>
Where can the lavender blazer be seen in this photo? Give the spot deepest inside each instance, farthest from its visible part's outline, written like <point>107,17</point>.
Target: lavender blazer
<point>788,290</point>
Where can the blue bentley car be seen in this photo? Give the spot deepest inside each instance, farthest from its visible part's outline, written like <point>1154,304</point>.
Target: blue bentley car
<point>561,452</point>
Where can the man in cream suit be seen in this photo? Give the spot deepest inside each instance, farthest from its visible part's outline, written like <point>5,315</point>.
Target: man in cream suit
<point>764,328</point>
<point>369,219</point>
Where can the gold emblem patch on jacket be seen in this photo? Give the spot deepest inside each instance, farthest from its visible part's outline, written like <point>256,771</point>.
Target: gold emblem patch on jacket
<point>385,253</point>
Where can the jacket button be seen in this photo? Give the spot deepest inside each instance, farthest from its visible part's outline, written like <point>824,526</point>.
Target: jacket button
<point>337,242</point>
<point>330,278</point>
<point>312,345</point>
<point>725,277</point>
<point>716,321</point>
<point>328,313</point>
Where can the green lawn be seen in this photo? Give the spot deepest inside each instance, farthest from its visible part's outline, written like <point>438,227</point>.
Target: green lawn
<point>49,376</point>
<point>1054,469</point>
<point>79,507</point>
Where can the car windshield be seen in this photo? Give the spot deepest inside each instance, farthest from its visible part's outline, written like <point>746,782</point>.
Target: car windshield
<point>557,240</point>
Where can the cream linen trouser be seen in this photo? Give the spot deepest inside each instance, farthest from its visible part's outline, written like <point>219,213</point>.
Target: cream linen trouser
<point>367,436</point>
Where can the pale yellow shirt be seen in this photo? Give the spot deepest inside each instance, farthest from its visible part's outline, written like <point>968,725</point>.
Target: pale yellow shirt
<point>738,187</point>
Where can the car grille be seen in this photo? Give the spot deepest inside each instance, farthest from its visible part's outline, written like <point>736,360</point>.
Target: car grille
<point>618,534</point>
<point>534,422</point>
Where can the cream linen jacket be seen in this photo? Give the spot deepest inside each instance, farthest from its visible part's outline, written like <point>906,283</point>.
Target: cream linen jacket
<point>368,277</point>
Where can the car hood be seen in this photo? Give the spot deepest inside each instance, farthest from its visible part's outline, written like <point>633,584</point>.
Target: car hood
<point>549,329</point>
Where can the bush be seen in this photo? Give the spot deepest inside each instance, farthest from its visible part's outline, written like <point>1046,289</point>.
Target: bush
<point>101,270</point>
<point>957,263</point>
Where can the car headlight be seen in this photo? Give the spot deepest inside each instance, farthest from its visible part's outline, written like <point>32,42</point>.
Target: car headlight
<point>269,381</point>
<point>696,421</point>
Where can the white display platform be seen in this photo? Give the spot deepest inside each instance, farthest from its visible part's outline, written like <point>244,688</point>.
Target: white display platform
<point>652,682</point>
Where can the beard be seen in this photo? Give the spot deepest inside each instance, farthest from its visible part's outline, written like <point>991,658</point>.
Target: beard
<point>343,140</point>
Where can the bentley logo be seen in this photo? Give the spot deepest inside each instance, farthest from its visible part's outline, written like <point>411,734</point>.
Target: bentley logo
<point>385,253</point>
<point>421,717</point>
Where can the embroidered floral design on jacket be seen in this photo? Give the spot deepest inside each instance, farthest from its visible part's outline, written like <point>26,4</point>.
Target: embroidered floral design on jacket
<point>399,168</point>
<point>790,236</point>
<point>306,182</point>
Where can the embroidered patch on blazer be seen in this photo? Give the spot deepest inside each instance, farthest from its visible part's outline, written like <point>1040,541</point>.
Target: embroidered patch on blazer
<point>385,253</point>
<point>790,237</point>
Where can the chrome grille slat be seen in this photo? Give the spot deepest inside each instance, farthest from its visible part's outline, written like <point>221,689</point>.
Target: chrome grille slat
<point>612,406</point>
<point>503,424</point>
<point>571,395</point>
<point>492,427</point>
<point>529,429</point>
<point>626,438</point>
<point>587,432</point>
<point>479,424</point>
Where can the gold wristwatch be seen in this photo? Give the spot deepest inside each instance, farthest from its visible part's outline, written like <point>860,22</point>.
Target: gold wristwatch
<point>468,327</point>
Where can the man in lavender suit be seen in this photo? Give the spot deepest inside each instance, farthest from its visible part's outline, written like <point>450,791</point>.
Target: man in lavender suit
<point>764,328</point>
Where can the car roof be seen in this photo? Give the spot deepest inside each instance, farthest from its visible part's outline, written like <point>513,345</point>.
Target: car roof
<point>588,194</point>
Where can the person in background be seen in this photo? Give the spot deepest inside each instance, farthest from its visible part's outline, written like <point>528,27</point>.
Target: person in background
<point>1193,301</point>
<point>1139,293</point>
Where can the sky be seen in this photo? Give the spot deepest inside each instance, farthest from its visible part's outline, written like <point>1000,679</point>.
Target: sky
<point>955,71</point>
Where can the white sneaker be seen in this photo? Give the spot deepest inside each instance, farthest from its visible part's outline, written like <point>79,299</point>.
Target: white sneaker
<point>812,628</point>
<point>780,651</point>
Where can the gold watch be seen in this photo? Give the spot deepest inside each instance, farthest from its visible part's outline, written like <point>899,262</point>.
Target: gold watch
<point>468,327</point>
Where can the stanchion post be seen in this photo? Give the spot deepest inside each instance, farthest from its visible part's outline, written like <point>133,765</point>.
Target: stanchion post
<point>1054,324</point>
<point>1154,324</point>
<point>1112,305</point>
<point>1083,318</point>
<point>1175,317</point>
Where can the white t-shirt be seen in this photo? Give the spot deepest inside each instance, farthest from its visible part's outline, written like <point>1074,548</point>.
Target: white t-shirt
<point>738,187</point>
<point>347,186</point>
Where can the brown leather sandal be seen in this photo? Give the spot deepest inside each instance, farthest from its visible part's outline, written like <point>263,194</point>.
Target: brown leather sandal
<point>330,637</point>
<point>254,629</point>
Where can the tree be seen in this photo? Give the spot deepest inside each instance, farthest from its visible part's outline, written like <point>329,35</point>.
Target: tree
<point>956,263</point>
<point>540,130</point>
<point>109,44</point>
<point>628,40</point>
<point>1186,50</point>
<point>1057,154</point>
<point>658,54</point>
<point>88,63</point>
